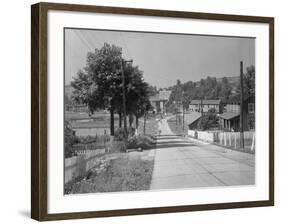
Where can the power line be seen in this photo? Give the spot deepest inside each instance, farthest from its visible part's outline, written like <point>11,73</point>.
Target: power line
<point>83,41</point>
<point>101,43</point>
<point>125,45</point>
<point>90,38</point>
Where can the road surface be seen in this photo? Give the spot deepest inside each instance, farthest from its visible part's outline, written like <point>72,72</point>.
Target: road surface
<point>185,163</point>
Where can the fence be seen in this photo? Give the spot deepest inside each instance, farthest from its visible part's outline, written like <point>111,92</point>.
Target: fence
<point>232,139</point>
<point>202,135</point>
<point>228,139</point>
<point>205,136</point>
<point>192,133</point>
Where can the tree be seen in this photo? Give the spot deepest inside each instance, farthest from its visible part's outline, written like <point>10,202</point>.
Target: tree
<point>225,90</point>
<point>137,93</point>
<point>208,121</point>
<point>69,140</point>
<point>176,96</point>
<point>99,85</point>
<point>152,90</point>
<point>248,82</point>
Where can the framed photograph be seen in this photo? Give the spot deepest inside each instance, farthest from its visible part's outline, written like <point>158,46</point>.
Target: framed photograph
<point>140,111</point>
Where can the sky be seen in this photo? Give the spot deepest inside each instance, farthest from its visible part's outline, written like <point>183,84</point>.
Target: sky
<point>164,58</point>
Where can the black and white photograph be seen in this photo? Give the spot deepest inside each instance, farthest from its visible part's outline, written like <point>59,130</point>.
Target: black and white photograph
<point>148,111</point>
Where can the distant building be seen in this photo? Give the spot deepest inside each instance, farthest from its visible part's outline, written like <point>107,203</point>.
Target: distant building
<point>206,105</point>
<point>160,100</point>
<point>230,119</point>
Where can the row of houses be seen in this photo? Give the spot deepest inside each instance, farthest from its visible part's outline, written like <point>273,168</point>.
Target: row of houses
<point>229,112</point>
<point>205,105</point>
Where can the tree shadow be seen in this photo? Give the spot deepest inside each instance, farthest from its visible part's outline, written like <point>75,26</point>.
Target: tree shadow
<point>163,146</point>
<point>172,142</point>
<point>164,138</point>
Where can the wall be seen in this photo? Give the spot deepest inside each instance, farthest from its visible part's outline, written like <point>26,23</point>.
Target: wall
<point>78,166</point>
<point>15,113</point>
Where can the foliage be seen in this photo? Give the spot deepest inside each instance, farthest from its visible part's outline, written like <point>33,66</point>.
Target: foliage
<point>248,84</point>
<point>208,121</point>
<point>93,139</point>
<point>119,134</point>
<point>208,88</point>
<point>121,174</point>
<point>100,84</point>
<point>211,88</point>
<point>69,140</point>
<point>141,141</point>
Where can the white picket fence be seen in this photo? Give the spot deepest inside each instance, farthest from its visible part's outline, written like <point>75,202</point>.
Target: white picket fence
<point>205,136</point>
<point>192,133</point>
<point>232,139</point>
<point>228,139</point>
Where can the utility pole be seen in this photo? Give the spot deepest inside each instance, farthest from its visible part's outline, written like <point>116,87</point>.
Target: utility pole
<point>182,111</point>
<point>241,107</point>
<point>182,118</point>
<point>202,106</point>
<point>124,94</point>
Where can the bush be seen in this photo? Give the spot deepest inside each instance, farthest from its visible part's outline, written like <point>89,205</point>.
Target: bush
<point>69,140</point>
<point>143,142</point>
<point>208,121</point>
<point>94,139</point>
<point>119,134</point>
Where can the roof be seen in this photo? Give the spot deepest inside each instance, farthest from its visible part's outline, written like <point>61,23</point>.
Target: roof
<point>229,115</point>
<point>161,96</point>
<point>213,102</point>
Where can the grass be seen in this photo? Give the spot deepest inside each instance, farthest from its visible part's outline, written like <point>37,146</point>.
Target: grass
<point>119,174</point>
<point>177,128</point>
<point>150,129</point>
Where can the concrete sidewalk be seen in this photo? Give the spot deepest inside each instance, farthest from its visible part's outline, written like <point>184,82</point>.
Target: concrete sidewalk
<point>184,163</point>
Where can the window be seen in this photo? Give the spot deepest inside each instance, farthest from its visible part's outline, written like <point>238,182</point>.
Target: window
<point>251,108</point>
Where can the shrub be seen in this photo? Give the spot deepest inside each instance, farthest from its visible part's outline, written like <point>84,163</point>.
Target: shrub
<point>94,139</point>
<point>143,142</point>
<point>208,121</point>
<point>119,134</point>
<point>69,140</point>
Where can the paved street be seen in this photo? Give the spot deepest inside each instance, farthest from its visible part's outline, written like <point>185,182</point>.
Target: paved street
<point>185,162</point>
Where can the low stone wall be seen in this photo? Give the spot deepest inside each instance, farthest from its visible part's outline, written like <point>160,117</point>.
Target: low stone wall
<point>79,165</point>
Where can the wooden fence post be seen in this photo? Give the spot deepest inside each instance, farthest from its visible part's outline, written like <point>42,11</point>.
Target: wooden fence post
<point>253,142</point>
<point>235,144</point>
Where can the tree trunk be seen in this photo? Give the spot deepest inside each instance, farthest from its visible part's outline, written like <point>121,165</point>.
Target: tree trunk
<point>137,122</point>
<point>131,119</point>
<point>144,123</point>
<point>111,121</point>
<point>120,120</point>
